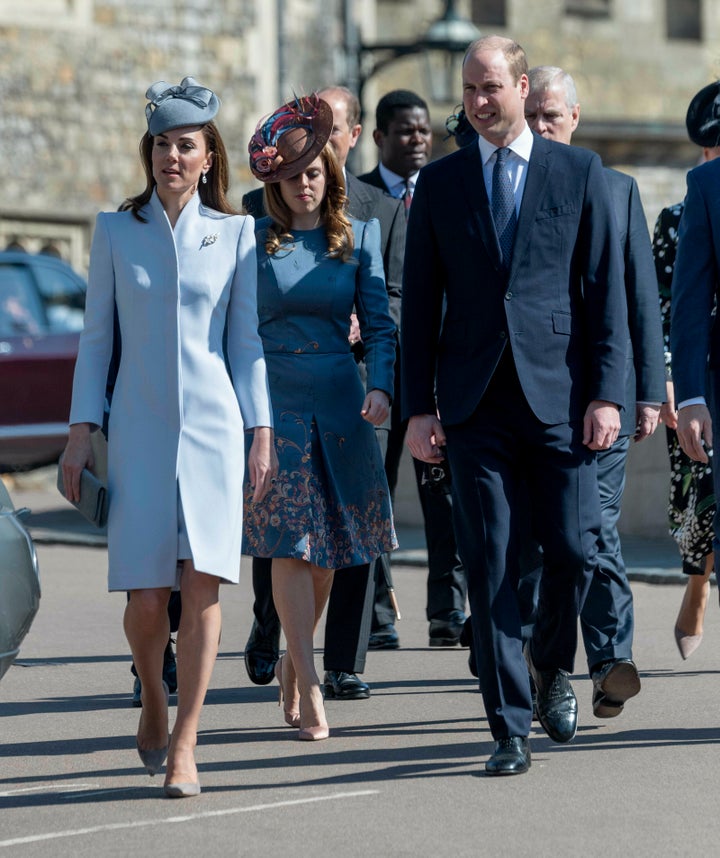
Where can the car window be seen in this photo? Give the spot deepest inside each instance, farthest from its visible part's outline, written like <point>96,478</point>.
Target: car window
<point>21,310</point>
<point>64,300</point>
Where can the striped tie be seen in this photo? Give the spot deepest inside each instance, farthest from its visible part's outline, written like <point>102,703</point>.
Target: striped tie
<point>407,197</point>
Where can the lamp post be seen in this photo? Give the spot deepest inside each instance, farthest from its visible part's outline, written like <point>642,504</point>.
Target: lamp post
<point>445,41</point>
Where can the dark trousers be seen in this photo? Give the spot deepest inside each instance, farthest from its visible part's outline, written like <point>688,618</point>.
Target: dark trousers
<point>607,616</point>
<point>497,456</point>
<point>446,584</point>
<point>349,611</point>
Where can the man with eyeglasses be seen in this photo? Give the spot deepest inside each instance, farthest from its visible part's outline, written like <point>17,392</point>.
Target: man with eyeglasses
<point>606,620</point>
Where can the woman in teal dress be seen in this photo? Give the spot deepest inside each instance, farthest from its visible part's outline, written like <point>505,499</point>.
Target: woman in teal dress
<point>329,507</point>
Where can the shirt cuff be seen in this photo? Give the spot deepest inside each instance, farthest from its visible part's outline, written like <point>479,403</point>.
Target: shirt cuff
<point>696,400</point>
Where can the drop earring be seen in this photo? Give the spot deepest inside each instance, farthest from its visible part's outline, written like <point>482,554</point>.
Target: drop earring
<point>204,178</point>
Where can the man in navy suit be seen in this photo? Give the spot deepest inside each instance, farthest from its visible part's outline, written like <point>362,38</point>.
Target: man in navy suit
<point>349,613</point>
<point>514,362</point>
<point>607,620</point>
<point>694,332</point>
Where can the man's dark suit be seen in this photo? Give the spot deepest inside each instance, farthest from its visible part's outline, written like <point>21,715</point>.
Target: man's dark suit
<point>606,619</point>
<point>349,611</point>
<point>514,361</point>
<point>446,584</point>
<point>694,328</point>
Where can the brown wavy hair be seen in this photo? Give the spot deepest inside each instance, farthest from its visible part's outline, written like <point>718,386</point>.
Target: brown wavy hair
<point>213,193</point>
<point>338,230</point>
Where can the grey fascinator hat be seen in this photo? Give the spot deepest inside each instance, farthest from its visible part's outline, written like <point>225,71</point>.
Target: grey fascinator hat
<point>703,116</point>
<point>176,106</point>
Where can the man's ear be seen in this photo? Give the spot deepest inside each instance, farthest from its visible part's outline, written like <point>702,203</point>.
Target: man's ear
<point>378,137</point>
<point>355,132</point>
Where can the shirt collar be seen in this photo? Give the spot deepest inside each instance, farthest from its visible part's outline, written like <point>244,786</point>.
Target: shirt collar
<point>521,146</point>
<point>395,182</point>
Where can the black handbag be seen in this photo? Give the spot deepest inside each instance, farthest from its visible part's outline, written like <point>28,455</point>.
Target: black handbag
<point>93,503</point>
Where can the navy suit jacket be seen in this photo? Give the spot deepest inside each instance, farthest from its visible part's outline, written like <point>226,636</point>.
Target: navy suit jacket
<point>646,364</point>
<point>694,334</point>
<point>561,308</point>
<point>365,202</point>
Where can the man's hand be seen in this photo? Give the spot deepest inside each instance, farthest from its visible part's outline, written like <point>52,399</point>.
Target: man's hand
<point>694,430</point>
<point>668,414</point>
<point>425,438</point>
<point>601,424</point>
<point>646,421</point>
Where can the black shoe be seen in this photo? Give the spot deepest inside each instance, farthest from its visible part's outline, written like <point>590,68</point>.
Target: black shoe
<point>137,693</point>
<point>614,682</point>
<point>511,757</point>
<point>340,685</point>
<point>447,632</point>
<point>556,702</point>
<point>385,637</point>
<point>170,667</point>
<point>169,675</point>
<point>261,655</point>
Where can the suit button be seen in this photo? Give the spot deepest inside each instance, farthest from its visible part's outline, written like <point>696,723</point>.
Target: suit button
<point>502,335</point>
<point>508,296</point>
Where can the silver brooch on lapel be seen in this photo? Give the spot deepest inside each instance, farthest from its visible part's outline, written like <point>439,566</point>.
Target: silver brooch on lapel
<point>209,239</point>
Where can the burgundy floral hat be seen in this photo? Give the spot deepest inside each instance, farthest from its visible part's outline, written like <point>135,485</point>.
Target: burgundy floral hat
<point>289,139</point>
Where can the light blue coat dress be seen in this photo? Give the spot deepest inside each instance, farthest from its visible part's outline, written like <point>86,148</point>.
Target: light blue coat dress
<point>177,420</point>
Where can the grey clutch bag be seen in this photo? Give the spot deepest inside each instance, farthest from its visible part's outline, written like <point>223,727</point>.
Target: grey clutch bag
<point>93,503</point>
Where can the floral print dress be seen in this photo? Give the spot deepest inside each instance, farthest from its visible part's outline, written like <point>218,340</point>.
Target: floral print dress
<point>330,503</point>
<point>692,500</point>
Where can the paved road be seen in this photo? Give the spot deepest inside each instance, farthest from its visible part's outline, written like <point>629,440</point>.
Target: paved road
<point>401,775</point>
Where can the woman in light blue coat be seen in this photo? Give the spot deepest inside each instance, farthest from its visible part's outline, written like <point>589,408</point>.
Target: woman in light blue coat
<point>179,269</point>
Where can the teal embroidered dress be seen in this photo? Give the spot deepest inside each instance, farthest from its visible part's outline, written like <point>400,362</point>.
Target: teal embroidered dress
<point>330,504</point>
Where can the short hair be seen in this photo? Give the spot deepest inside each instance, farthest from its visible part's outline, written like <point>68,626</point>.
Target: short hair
<point>391,102</point>
<point>511,50</point>
<point>351,101</point>
<point>543,78</point>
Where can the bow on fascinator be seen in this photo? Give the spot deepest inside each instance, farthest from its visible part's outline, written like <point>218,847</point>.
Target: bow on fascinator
<point>173,106</point>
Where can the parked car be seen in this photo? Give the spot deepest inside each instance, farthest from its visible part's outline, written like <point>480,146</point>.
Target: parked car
<point>19,581</point>
<point>42,302</point>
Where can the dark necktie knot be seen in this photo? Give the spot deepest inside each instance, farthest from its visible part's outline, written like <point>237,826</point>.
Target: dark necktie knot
<point>503,205</point>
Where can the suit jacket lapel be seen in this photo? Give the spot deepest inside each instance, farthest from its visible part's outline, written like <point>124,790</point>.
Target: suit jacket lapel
<point>473,184</point>
<point>535,182</point>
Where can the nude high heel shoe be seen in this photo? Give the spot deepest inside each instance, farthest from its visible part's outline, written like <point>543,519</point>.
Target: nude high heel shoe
<point>687,644</point>
<point>313,732</point>
<point>292,718</point>
<point>153,758</point>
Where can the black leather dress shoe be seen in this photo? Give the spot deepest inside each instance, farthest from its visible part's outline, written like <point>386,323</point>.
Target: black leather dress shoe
<point>614,682</point>
<point>556,703</point>
<point>511,757</point>
<point>384,637</point>
<point>447,632</point>
<point>340,685</point>
<point>261,655</point>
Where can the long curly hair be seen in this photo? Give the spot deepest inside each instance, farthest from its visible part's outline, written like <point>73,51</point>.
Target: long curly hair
<point>213,193</point>
<point>332,212</point>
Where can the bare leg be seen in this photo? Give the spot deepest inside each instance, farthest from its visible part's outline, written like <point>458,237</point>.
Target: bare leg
<point>300,593</point>
<point>147,629</point>
<point>689,623</point>
<point>692,610</point>
<point>197,645</point>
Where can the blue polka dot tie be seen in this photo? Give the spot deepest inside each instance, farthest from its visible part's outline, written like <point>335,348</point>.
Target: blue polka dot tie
<point>503,205</point>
